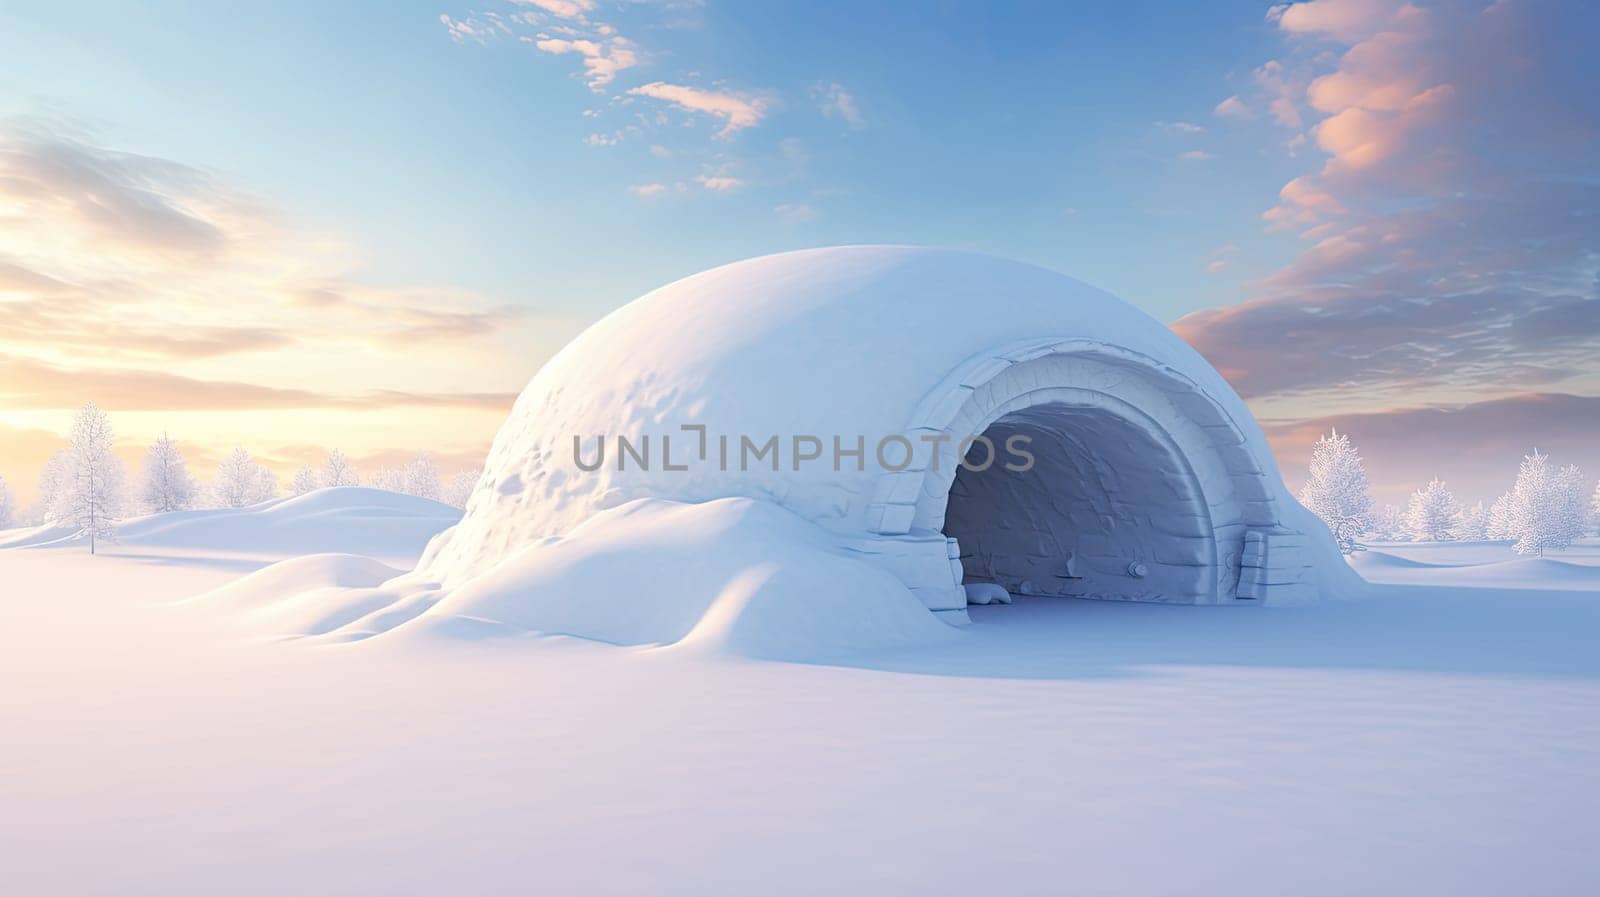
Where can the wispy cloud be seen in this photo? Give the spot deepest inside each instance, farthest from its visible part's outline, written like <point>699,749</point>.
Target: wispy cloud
<point>735,111</point>
<point>26,383</point>
<point>835,101</point>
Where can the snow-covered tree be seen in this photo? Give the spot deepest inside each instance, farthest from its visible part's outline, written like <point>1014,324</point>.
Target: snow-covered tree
<point>389,479</point>
<point>8,506</point>
<point>266,486</point>
<point>96,482</point>
<point>460,487</point>
<point>164,481</point>
<point>1499,527</point>
<point>1337,490</point>
<point>1546,507</point>
<point>50,506</point>
<point>1389,524</point>
<point>1472,524</point>
<point>1574,502</point>
<point>1431,514</point>
<point>338,471</point>
<point>305,480</point>
<point>1594,508</point>
<point>422,477</point>
<point>242,482</point>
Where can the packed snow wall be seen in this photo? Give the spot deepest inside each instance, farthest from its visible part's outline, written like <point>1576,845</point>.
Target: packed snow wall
<point>847,385</point>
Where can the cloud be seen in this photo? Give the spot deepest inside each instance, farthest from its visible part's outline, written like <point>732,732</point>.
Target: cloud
<point>562,9</point>
<point>834,100</point>
<point>1180,127</point>
<point>720,183</point>
<point>25,383</point>
<point>1447,213</point>
<point>118,256</point>
<point>1196,156</point>
<point>736,111</point>
<point>1232,107</point>
<point>601,60</point>
<point>795,212</point>
<point>131,202</point>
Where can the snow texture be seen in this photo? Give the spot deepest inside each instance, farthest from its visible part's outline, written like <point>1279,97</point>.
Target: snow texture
<point>1437,738</point>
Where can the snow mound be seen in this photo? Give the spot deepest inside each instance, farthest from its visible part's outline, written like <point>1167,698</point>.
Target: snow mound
<point>348,520</point>
<point>736,577</point>
<point>1379,560</point>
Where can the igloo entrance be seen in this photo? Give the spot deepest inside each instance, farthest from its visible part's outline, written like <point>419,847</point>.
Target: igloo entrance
<point>1107,509</point>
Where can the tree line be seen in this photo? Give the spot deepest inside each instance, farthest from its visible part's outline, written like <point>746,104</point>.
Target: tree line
<point>1547,507</point>
<point>86,486</point>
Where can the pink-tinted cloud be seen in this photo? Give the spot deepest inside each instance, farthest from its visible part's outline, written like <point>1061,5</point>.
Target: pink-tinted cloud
<point>736,111</point>
<point>25,383</point>
<point>1451,239</point>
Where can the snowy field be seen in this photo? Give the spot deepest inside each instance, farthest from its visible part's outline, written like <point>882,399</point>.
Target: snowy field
<point>1441,737</point>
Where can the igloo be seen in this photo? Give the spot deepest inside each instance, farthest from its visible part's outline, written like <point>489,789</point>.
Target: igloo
<point>860,379</point>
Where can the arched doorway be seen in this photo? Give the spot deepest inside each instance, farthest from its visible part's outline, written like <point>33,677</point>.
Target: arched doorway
<point>1103,507</point>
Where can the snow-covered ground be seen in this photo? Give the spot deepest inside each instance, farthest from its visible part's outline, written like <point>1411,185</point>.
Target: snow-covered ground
<point>1439,738</point>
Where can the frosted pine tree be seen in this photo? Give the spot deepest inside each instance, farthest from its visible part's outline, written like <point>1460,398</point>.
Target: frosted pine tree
<point>1499,526</point>
<point>1472,524</point>
<point>95,482</point>
<point>1573,519</point>
<point>460,487</point>
<point>422,477</point>
<point>305,480</point>
<point>1594,509</point>
<point>1545,508</point>
<point>1389,524</point>
<point>1337,490</point>
<point>1431,515</point>
<point>164,482</point>
<point>338,471</point>
<point>8,506</point>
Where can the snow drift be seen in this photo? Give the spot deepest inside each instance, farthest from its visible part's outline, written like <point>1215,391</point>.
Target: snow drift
<point>732,577</point>
<point>350,520</point>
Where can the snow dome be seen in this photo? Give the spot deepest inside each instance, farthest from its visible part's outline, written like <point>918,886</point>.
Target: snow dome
<point>862,389</point>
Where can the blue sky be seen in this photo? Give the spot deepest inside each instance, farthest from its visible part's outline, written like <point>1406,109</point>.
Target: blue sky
<point>1360,210</point>
<point>1028,130</point>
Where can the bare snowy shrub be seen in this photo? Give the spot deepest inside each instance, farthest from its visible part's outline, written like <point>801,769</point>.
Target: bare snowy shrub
<point>1431,515</point>
<point>305,480</point>
<point>266,485</point>
<point>389,479</point>
<point>96,482</point>
<point>338,471</point>
<point>164,481</point>
<point>8,506</point>
<point>422,477</point>
<point>1472,523</point>
<point>460,487</point>
<point>242,482</point>
<point>1337,490</point>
